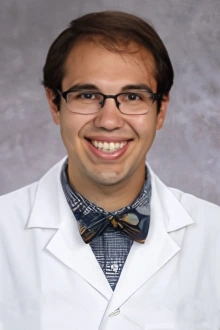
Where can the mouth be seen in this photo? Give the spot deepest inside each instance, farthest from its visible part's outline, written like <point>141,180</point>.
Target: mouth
<point>108,147</point>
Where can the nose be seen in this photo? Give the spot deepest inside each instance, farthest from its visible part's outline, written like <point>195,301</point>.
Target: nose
<point>109,117</point>
<point>110,97</point>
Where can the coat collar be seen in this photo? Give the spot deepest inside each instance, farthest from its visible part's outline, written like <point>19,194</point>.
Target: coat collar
<point>144,261</point>
<point>51,211</point>
<point>170,205</point>
<point>46,209</point>
<point>50,193</point>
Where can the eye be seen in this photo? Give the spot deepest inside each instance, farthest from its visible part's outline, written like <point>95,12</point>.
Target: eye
<point>132,97</point>
<point>87,96</point>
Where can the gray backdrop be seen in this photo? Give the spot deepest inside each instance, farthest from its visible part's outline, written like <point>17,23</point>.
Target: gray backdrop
<point>186,151</point>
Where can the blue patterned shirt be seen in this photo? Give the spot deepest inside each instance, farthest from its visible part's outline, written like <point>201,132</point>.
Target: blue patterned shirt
<point>112,247</point>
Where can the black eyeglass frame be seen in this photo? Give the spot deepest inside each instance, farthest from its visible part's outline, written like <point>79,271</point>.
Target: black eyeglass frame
<point>154,96</point>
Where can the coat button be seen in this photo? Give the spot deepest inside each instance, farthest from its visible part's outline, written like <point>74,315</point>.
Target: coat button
<point>115,313</point>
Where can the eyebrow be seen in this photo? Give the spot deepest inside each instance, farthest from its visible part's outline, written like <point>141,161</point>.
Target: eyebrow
<point>83,87</point>
<point>138,87</point>
<point>94,87</point>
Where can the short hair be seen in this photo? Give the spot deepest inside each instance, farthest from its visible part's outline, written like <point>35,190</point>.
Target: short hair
<point>116,30</point>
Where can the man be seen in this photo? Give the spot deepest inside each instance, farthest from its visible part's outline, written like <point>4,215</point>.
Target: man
<point>100,242</point>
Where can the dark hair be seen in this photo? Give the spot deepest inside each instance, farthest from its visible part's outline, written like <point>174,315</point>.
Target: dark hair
<point>115,31</point>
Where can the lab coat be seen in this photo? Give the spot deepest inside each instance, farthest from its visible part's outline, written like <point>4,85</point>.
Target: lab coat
<point>50,279</point>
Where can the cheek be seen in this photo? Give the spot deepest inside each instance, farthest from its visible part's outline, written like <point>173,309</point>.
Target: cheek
<point>144,126</point>
<point>65,125</point>
<point>68,131</point>
<point>72,126</point>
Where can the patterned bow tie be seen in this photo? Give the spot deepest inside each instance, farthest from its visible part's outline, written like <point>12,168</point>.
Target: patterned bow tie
<point>92,220</point>
<point>134,223</point>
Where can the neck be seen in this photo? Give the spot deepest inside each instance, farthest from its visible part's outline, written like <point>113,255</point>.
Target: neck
<point>109,197</point>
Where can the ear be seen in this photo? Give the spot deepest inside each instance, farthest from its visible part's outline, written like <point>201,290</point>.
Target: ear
<point>163,110</point>
<point>53,108</point>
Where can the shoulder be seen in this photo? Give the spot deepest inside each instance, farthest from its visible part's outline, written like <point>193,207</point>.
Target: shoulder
<point>17,204</point>
<point>26,195</point>
<point>194,206</point>
<point>200,210</point>
<point>21,195</point>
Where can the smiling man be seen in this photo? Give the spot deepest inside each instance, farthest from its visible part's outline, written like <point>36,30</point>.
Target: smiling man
<point>100,242</point>
<point>108,119</point>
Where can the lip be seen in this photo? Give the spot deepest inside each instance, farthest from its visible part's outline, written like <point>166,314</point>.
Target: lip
<point>104,155</point>
<point>107,139</point>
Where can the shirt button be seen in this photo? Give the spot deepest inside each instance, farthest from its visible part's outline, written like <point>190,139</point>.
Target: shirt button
<point>114,268</point>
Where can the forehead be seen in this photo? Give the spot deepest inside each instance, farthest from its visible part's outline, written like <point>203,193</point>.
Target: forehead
<point>90,62</point>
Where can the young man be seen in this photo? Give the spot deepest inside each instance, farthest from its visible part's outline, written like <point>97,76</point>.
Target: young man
<point>100,242</point>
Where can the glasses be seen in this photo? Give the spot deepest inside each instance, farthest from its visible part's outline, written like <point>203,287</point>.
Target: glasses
<point>129,103</point>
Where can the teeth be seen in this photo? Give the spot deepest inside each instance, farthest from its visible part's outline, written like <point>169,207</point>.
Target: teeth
<point>112,146</point>
<point>105,146</point>
<point>109,146</point>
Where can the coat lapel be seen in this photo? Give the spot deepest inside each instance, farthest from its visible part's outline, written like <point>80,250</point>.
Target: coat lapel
<point>145,260</point>
<point>51,211</point>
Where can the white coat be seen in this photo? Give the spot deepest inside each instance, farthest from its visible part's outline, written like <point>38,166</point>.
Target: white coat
<point>50,279</point>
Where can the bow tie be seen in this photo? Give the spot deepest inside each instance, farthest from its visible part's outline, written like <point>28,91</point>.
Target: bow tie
<point>133,222</point>
<point>92,220</point>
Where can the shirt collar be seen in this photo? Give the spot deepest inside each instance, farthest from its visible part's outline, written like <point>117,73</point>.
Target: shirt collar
<point>81,206</point>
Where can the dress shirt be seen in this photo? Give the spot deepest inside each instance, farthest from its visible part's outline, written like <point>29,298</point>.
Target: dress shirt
<point>112,247</point>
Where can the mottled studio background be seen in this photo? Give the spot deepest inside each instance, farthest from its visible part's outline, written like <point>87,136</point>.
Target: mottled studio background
<point>186,153</point>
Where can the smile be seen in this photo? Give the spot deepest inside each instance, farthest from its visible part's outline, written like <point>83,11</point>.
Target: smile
<point>108,146</point>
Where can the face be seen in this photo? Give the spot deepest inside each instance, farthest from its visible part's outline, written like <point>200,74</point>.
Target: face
<point>127,137</point>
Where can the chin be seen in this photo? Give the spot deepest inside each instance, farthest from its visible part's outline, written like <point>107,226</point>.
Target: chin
<point>107,179</point>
